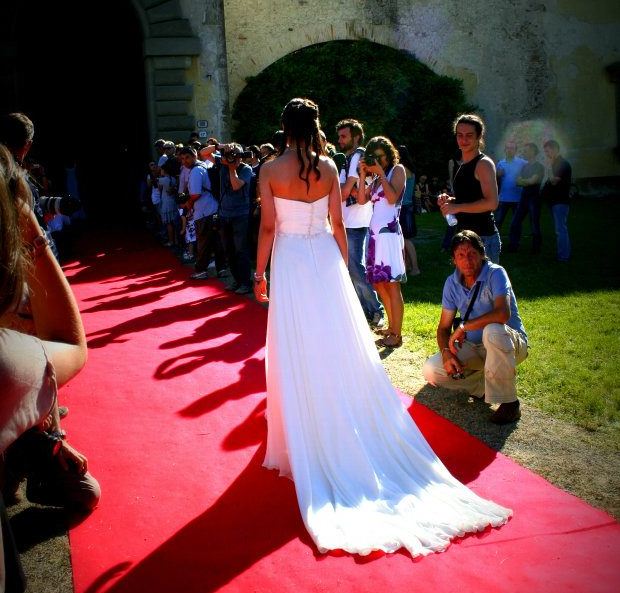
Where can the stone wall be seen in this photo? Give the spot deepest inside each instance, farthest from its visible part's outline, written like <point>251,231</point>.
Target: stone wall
<point>535,69</point>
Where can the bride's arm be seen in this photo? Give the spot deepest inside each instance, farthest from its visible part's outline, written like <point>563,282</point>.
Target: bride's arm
<point>335,215</point>
<point>266,232</point>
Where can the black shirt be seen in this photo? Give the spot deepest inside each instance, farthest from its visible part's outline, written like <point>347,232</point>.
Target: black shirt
<point>559,193</point>
<point>467,190</point>
<point>532,192</point>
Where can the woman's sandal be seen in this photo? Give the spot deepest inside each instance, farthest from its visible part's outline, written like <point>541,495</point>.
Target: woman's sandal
<point>392,341</point>
<point>382,331</point>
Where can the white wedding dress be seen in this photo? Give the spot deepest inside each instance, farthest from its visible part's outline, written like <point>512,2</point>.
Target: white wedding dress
<point>365,477</point>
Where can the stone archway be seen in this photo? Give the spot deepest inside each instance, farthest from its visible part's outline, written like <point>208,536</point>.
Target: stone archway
<point>250,50</point>
<point>169,48</point>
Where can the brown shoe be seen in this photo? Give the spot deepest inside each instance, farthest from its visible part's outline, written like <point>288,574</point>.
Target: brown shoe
<point>506,413</point>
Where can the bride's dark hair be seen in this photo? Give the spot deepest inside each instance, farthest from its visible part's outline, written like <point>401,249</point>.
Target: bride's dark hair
<point>300,122</point>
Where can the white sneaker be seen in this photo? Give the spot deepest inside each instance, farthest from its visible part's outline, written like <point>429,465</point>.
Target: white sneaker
<point>200,275</point>
<point>377,320</point>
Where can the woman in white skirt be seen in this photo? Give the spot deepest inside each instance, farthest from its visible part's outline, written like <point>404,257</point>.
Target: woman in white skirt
<point>385,264</point>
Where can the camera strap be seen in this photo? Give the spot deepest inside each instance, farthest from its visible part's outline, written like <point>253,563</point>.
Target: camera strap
<point>471,302</point>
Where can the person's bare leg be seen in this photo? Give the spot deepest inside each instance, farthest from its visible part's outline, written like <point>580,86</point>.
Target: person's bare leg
<point>397,309</point>
<point>411,258</point>
<point>380,288</point>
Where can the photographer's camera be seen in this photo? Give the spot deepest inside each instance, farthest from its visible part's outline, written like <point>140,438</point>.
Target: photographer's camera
<point>231,155</point>
<point>59,205</point>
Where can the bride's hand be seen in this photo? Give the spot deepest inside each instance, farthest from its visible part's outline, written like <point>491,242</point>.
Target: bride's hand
<point>260,291</point>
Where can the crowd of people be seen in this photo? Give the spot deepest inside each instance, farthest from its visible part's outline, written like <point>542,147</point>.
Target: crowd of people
<point>211,202</point>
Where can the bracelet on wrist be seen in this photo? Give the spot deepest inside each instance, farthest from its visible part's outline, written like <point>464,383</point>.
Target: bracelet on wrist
<point>259,277</point>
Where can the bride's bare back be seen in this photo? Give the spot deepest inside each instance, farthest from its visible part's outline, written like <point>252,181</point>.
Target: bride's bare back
<point>282,177</point>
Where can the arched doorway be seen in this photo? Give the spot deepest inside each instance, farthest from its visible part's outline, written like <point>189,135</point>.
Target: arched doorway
<point>94,114</point>
<point>399,97</point>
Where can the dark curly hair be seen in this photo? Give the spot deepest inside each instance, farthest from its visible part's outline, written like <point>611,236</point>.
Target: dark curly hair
<point>391,152</point>
<point>300,122</point>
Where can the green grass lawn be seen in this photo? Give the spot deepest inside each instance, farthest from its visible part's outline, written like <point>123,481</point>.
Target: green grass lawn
<point>570,311</point>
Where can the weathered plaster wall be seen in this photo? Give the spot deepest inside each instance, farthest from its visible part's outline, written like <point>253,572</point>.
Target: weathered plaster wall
<point>209,73</point>
<point>534,68</point>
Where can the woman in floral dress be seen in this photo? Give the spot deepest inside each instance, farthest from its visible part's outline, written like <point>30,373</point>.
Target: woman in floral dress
<point>385,264</point>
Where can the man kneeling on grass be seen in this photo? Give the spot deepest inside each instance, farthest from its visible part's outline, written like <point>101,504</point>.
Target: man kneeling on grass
<point>481,353</point>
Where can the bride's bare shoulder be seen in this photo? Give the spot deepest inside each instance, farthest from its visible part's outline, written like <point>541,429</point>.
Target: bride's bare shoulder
<point>328,164</point>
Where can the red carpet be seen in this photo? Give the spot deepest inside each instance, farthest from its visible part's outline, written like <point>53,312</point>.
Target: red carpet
<point>170,412</point>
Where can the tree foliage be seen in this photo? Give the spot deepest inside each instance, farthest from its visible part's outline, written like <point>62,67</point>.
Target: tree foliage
<point>388,90</point>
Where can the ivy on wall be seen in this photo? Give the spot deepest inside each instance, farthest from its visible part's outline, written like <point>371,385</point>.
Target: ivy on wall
<point>388,90</point>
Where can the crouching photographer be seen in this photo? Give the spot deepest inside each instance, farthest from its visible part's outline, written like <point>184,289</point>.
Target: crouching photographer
<point>480,354</point>
<point>234,210</point>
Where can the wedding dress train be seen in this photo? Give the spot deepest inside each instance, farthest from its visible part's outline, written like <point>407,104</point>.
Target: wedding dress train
<point>365,477</point>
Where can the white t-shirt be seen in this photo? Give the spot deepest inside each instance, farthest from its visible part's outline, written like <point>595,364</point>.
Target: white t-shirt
<point>355,216</point>
<point>162,159</point>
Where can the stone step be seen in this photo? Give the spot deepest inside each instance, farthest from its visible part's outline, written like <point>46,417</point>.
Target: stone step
<point>171,107</point>
<point>174,92</point>
<point>172,46</point>
<point>175,122</point>
<point>169,77</point>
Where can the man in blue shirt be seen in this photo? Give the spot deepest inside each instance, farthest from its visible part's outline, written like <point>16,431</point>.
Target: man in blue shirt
<point>479,356</point>
<point>234,214</point>
<point>204,207</point>
<point>508,171</point>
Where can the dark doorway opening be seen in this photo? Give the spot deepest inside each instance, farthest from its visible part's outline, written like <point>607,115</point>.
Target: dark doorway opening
<point>79,75</point>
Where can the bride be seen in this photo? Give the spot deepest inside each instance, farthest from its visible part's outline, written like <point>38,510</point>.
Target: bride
<point>365,477</point>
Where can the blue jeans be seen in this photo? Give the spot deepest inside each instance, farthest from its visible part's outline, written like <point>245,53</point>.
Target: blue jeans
<point>502,210</point>
<point>234,232</point>
<point>356,240</point>
<point>531,206</point>
<point>560,221</point>
<point>492,247</point>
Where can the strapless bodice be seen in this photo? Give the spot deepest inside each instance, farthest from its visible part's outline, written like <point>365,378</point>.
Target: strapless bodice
<point>294,217</point>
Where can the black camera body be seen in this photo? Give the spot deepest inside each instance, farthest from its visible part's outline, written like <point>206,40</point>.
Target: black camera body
<point>230,156</point>
<point>370,159</point>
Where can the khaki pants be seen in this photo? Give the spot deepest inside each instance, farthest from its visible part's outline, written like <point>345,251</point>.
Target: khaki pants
<point>490,367</point>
